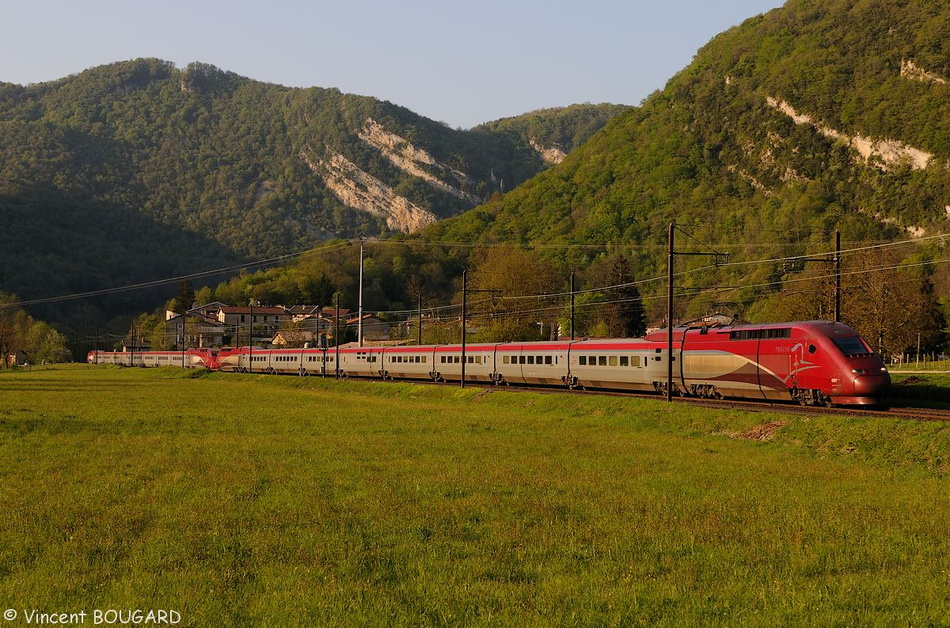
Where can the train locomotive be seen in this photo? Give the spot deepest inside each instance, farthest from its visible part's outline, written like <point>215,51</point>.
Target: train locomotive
<point>812,363</point>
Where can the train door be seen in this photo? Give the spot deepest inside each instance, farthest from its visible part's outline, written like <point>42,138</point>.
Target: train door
<point>774,360</point>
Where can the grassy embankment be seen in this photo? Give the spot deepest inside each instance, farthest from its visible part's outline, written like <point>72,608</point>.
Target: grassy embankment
<point>254,500</point>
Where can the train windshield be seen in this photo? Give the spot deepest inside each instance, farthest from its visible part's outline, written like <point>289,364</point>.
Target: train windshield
<point>852,346</point>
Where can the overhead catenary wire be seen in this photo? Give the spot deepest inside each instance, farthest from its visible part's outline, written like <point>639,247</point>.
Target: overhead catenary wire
<point>340,245</point>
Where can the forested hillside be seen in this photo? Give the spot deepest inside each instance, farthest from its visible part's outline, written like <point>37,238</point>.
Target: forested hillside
<point>821,115</point>
<point>138,170</point>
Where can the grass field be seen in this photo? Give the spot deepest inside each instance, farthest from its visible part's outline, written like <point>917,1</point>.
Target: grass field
<point>281,501</point>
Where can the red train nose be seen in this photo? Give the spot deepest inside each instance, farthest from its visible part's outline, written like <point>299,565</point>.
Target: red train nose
<point>871,384</point>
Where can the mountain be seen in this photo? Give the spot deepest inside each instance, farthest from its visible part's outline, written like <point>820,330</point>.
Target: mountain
<point>555,132</point>
<point>820,115</point>
<point>139,170</point>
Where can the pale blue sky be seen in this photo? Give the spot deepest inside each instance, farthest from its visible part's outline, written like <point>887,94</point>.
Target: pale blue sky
<point>460,63</point>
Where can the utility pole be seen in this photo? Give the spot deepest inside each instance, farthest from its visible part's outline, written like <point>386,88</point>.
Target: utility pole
<point>419,342</point>
<point>465,292</point>
<point>337,336</point>
<point>250,338</point>
<point>464,312</point>
<point>669,314</point>
<point>572,305</point>
<point>359,323</point>
<point>834,259</point>
<point>669,302</point>
<point>837,276</point>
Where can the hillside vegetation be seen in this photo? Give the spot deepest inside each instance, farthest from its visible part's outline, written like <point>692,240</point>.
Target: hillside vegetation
<point>140,170</point>
<point>815,116</point>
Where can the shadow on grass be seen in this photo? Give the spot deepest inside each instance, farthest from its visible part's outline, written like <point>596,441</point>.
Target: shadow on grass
<point>920,391</point>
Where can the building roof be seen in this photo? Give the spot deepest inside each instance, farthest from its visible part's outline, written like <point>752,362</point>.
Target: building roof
<point>257,310</point>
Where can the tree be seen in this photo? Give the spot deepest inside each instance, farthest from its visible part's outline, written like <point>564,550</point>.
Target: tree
<point>890,301</point>
<point>18,330</point>
<point>8,338</point>
<point>185,299</point>
<point>627,317</point>
<point>515,273</point>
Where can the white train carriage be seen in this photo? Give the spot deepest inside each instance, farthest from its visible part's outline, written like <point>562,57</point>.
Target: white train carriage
<point>624,364</point>
<point>412,362</point>
<point>320,362</point>
<point>361,362</point>
<point>479,363</point>
<point>536,363</point>
<point>283,361</point>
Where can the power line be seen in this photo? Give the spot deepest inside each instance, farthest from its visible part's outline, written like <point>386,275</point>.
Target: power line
<point>171,280</point>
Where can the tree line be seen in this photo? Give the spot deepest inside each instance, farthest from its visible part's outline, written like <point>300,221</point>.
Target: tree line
<point>39,341</point>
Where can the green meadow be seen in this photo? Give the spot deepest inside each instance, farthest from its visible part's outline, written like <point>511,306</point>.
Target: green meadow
<point>282,501</point>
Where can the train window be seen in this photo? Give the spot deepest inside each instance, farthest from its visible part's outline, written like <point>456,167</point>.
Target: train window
<point>522,359</point>
<point>635,360</point>
<point>852,346</point>
<point>506,359</point>
<point>582,360</point>
<point>624,361</point>
<point>602,360</point>
<point>592,360</point>
<point>613,360</point>
<point>547,360</point>
<point>530,359</point>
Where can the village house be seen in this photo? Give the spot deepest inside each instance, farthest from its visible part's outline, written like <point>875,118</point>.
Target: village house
<point>17,358</point>
<point>374,328</point>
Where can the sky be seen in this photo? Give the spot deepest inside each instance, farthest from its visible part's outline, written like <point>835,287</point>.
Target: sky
<point>461,63</point>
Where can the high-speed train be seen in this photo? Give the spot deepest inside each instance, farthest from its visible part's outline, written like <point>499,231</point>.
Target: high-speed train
<point>813,363</point>
<point>191,358</point>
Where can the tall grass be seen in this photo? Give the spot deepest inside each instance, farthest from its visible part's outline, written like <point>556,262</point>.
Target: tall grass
<point>256,500</point>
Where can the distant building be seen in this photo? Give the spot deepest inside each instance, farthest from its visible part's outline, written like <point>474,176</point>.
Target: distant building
<point>195,328</point>
<point>293,338</point>
<point>374,328</point>
<point>17,358</point>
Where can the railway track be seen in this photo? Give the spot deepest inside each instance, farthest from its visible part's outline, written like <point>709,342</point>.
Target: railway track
<point>902,412</point>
